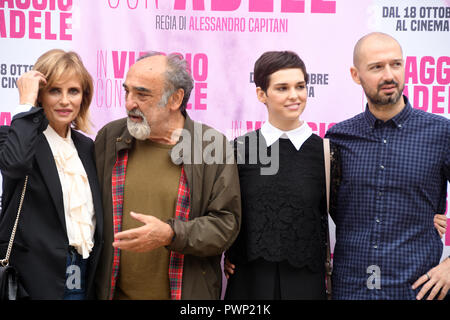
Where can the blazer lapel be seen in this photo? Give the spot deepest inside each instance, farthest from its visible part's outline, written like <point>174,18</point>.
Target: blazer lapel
<point>46,162</point>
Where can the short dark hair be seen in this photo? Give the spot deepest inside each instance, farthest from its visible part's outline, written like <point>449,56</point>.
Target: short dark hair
<point>272,61</point>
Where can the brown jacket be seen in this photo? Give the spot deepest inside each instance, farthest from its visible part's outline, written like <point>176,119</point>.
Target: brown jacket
<point>214,218</point>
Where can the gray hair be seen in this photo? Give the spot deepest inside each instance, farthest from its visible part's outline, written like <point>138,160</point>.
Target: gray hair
<point>177,76</point>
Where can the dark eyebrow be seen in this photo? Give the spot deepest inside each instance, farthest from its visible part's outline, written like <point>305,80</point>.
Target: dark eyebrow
<point>139,89</point>
<point>142,89</point>
<point>373,63</point>
<point>378,62</point>
<point>285,84</point>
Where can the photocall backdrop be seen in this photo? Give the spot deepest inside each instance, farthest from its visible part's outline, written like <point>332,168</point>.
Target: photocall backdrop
<point>221,40</point>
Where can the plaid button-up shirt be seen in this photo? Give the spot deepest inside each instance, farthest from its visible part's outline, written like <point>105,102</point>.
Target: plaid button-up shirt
<point>394,179</point>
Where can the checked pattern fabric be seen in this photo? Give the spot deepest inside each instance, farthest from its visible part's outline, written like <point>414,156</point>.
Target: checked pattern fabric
<point>181,213</point>
<point>394,180</point>
<point>118,183</point>
<point>177,259</point>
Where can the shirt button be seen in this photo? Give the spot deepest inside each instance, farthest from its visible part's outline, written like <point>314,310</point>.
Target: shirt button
<point>377,220</point>
<point>35,119</point>
<point>384,141</point>
<point>380,193</point>
<point>375,246</point>
<point>381,167</point>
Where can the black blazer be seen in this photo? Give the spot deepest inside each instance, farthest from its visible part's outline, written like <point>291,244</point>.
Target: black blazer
<point>41,245</point>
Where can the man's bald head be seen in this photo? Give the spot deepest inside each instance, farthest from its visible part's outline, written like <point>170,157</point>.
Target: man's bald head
<point>379,69</point>
<point>360,46</point>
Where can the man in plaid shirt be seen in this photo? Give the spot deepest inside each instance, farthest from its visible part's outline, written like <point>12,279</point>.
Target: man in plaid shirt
<point>169,214</point>
<point>395,164</point>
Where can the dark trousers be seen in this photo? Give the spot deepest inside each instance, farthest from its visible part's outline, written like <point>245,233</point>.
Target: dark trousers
<point>265,280</point>
<point>75,287</point>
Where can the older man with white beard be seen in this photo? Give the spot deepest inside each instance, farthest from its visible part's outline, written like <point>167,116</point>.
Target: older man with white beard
<point>167,219</point>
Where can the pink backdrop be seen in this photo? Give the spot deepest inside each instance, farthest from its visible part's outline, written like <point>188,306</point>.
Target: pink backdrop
<point>222,39</point>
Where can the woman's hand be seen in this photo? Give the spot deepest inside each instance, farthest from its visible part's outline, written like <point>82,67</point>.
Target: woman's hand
<point>228,268</point>
<point>440,223</point>
<point>28,85</point>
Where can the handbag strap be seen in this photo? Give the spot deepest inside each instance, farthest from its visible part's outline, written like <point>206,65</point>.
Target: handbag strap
<point>326,153</point>
<point>5,262</point>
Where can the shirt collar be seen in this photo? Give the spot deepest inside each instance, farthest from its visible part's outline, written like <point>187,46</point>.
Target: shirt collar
<point>397,121</point>
<point>55,140</point>
<point>297,136</point>
<point>50,133</point>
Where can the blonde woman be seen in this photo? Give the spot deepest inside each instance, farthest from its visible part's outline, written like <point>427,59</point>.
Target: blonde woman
<point>59,234</point>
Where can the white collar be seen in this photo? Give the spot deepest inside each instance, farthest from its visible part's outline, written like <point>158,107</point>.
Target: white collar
<point>297,136</point>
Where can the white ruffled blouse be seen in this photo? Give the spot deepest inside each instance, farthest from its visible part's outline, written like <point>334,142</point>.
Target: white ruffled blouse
<point>77,196</point>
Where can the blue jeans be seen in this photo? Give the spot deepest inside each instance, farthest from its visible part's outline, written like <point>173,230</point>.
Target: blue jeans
<point>75,286</point>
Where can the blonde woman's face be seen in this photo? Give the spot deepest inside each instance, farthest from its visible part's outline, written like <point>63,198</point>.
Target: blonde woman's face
<point>62,102</point>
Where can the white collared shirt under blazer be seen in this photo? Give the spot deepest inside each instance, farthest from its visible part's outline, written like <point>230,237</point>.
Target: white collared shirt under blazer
<point>77,196</point>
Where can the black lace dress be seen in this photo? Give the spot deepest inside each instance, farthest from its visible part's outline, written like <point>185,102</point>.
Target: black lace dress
<point>281,248</point>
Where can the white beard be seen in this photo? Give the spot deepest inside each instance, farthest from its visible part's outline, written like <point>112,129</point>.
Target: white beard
<point>140,131</point>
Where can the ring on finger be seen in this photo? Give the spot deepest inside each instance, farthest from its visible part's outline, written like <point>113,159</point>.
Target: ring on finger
<point>428,276</point>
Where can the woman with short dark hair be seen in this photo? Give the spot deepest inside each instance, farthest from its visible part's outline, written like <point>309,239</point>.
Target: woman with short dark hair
<point>281,249</point>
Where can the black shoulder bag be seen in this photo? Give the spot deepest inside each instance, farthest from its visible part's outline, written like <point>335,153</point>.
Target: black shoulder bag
<point>10,286</point>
